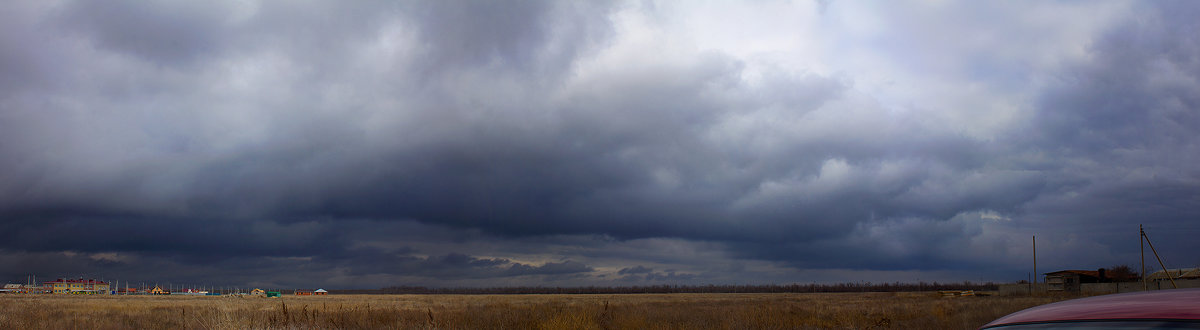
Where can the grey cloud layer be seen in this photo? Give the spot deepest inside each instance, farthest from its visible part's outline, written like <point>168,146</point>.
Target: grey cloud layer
<point>272,130</point>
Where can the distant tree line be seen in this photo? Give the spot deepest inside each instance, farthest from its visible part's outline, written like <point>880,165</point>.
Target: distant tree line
<point>711,288</point>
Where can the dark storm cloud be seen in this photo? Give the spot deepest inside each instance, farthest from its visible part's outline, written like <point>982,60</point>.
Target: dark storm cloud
<point>172,235</point>
<point>24,67</point>
<point>639,269</point>
<point>510,33</point>
<point>164,33</point>
<point>449,266</point>
<point>641,273</point>
<point>1138,92</point>
<point>1119,135</point>
<point>334,139</point>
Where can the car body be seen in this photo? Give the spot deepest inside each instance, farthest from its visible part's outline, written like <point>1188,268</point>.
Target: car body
<point>1164,309</point>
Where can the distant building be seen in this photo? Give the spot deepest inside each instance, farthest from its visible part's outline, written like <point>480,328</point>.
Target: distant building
<point>320,292</point>
<point>12,288</point>
<point>80,286</point>
<point>158,290</point>
<point>300,292</point>
<point>21,288</point>
<point>258,292</point>
<point>1069,280</point>
<point>1177,273</point>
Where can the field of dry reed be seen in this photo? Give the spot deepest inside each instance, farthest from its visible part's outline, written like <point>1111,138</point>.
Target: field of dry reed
<point>633,311</point>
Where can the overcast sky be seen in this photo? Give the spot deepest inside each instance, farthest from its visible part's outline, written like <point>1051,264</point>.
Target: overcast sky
<point>361,144</point>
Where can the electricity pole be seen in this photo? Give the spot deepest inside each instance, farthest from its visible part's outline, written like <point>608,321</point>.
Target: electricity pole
<point>1160,262</point>
<point>1142,251</point>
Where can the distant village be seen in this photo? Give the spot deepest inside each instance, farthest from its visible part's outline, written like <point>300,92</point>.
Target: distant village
<point>94,287</point>
<point>1102,280</point>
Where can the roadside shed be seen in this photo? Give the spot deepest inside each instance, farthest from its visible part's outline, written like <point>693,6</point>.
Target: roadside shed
<point>1070,280</point>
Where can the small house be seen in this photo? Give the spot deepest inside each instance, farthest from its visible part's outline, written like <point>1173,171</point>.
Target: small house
<point>301,292</point>
<point>320,292</point>
<point>158,290</point>
<point>258,292</point>
<point>274,294</point>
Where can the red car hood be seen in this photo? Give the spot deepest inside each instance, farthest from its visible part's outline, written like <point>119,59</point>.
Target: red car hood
<point>1178,304</point>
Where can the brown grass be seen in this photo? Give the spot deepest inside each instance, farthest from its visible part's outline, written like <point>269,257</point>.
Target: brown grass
<point>645,311</point>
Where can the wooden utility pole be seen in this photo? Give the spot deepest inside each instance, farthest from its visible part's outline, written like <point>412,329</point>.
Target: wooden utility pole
<point>1035,259</point>
<point>1160,263</point>
<point>1142,251</point>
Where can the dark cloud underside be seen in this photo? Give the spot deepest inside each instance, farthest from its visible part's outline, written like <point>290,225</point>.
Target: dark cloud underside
<point>543,142</point>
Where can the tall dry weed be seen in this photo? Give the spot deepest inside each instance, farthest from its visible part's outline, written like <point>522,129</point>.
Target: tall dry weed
<point>641,311</point>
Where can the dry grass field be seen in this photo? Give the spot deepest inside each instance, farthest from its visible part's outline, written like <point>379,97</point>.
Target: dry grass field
<point>635,311</point>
